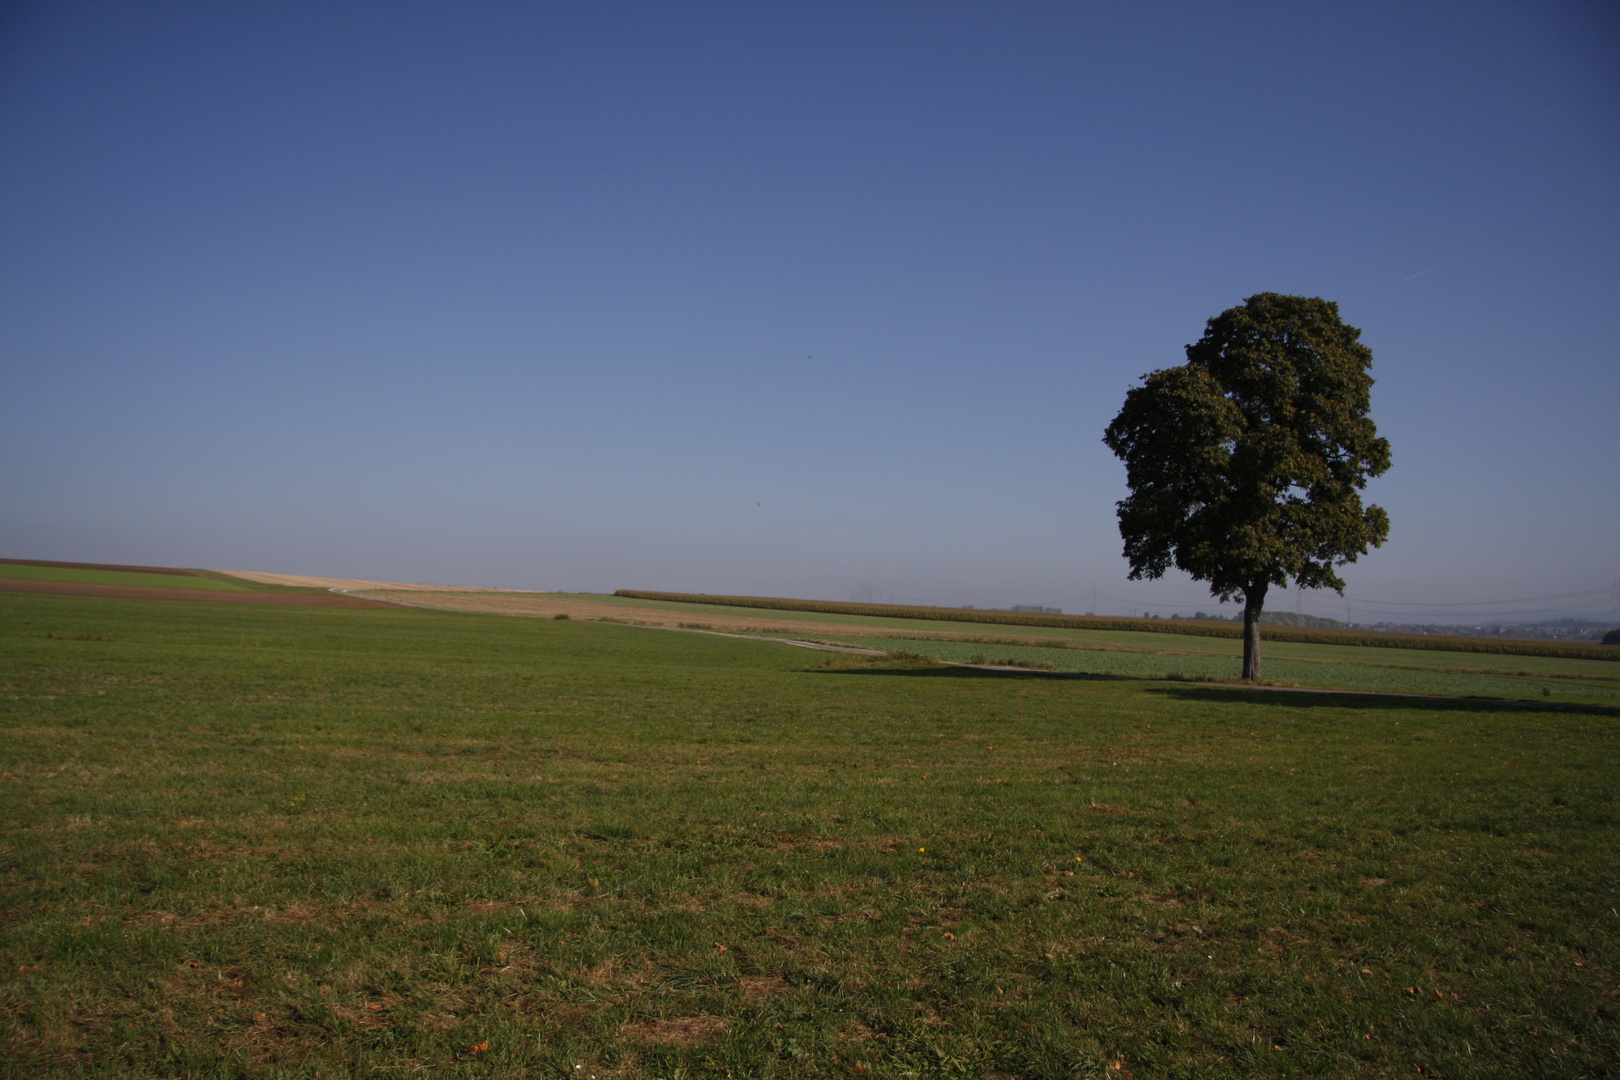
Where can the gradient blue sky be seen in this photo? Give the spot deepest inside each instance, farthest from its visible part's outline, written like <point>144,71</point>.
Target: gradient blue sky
<point>790,298</point>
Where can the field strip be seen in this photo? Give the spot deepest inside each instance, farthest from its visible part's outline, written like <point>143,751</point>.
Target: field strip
<point>820,646</point>
<point>538,605</point>
<point>616,608</point>
<point>1005,669</point>
<point>206,596</point>
<point>768,625</point>
<point>338,584</point>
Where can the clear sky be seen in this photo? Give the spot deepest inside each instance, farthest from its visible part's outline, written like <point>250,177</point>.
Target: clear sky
<point>790,299</point>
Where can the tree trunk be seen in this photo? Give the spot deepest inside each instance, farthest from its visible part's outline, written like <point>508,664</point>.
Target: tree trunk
<point>1254,598</point>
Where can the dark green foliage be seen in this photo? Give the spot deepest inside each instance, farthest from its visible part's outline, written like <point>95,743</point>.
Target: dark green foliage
<point>1246,463</point>
<point>1612,637</point>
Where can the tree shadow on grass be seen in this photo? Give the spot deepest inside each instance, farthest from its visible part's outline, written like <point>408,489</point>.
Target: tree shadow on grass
<point>1292,697</point>
<point>968,671</point>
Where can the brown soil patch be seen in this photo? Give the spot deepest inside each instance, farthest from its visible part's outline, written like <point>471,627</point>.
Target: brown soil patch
<point>759,987</point>
<point>100,566</point>
<point>539,605</point>
<point>686,1031</point>
<point>211,596</point>
<point>305,581</point>
<point>544,606</point>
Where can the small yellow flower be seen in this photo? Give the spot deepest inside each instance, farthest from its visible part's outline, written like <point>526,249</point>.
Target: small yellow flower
<point>921,850</point>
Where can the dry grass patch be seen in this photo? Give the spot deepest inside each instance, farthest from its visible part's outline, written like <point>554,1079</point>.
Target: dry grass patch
<point>756,988</point>
<point>682,1031</point>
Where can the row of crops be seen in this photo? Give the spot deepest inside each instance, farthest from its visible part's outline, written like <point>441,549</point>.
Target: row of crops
<point>1192,627</point>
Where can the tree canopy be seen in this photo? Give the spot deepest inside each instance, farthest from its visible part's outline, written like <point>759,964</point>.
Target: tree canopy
<point>1246,463</point>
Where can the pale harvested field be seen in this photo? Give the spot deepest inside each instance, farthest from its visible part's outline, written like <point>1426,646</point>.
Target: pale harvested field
<point>539,605</point>
<point>307,582</point>
<point>545,606</point>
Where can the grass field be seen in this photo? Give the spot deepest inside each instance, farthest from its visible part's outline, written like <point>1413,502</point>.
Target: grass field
<point>1272,630</point>
<point>368,842</point>
<point>1334,670</point>
<point>29,572</point>
<point>1144,654</point>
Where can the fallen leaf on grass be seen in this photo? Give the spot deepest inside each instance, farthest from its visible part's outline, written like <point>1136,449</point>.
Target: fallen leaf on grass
<point>479,1047</point>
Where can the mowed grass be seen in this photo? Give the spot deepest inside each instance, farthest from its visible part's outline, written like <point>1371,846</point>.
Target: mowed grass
<point>28,572</point>
<point>355,842</point>
<point>1364,674</point>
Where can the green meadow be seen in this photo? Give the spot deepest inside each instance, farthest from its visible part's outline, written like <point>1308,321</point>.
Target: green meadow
<point>1143,654</point>
<point>327,842</point>
<point>1299,665</point>
<point>30,572</point>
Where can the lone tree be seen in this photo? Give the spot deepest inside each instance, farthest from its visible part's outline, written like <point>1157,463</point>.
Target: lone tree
<point>1246,463</point>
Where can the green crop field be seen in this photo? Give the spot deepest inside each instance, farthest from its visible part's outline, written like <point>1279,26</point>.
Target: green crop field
<point>1363,673</point>
<point>1145,654</point>
<point>1186,627</point>
<point>316,842</point>
<point>1172,636</point>
<point>30,572</point>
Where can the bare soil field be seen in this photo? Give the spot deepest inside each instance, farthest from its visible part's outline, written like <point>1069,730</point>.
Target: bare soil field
<point>546,606</point>
<point>305,581</point>
<point>215,596</point>
<point>539,605</point>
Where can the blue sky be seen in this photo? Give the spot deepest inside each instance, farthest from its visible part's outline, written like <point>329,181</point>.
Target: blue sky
<point>790,299</point>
